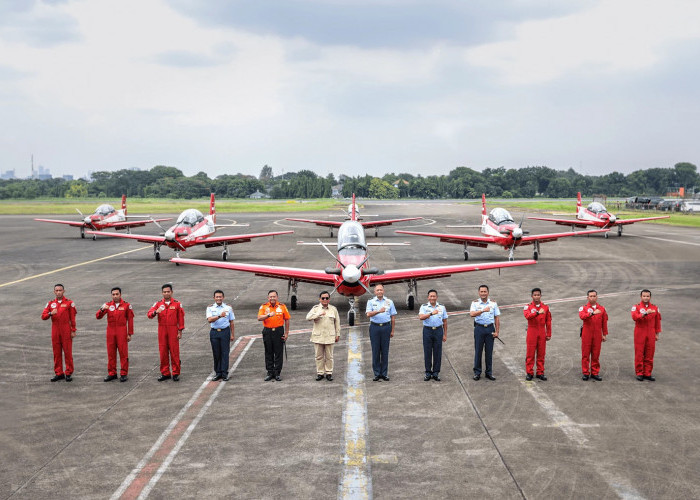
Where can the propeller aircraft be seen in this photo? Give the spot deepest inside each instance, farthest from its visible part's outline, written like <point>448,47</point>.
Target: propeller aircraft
<point>595,214</point>
<point>352,275</point>
<point>104,217</point>
<point>193,228</point>
<point>499,228</point>
<point>353,209</point>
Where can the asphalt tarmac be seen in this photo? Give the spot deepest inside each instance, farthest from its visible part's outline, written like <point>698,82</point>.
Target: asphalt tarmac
<point>352,437</point>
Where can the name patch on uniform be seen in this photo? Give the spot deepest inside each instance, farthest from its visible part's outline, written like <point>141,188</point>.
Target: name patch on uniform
<point>111,308</point>
<point>53,306</point>
<point>634,308</point>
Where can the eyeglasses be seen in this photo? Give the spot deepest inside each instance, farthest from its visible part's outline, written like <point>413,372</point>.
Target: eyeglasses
<point>325,298</point>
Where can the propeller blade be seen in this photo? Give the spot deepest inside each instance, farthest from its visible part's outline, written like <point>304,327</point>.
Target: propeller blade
<point>156,223</point>
<point>365,287</point>
<point>332,254</point>
<point>81,213</point>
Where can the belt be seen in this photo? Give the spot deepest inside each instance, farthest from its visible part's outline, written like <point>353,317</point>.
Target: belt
<point>378,324</point>
<point>432,327</point>
<point>479,324</point>
<point>221,329</point>
<point>272,329</point>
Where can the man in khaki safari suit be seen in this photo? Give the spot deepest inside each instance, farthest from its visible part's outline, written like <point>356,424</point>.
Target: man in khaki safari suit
<point>325,333</point>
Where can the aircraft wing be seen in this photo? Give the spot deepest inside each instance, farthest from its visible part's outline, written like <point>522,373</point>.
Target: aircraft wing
<point>544,238</point>
<point>215,241</point>
<point>326,223</point>
<point>569,222</point>
<point>427,273</point>
<point>135,223</point>
<point>69,222</point>
<point>632,221</point>
<point>138,237</point>
<point>460,239</point>
<point>299,274</point>
<point>380,223</point>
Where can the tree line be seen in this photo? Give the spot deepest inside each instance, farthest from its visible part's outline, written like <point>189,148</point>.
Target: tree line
<point>462,182</point>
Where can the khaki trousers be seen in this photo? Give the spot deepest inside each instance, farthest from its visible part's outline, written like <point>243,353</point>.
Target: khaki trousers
<point>324,358</point>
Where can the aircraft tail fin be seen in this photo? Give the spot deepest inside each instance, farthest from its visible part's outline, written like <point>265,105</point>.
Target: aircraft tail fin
<point>124,203</point>
<point>578,202</point>
<point>212,209</point>
<point>353,216</point>
<point>484,214</point>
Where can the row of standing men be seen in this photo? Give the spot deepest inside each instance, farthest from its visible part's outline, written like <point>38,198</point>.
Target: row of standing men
<point>381,312</point>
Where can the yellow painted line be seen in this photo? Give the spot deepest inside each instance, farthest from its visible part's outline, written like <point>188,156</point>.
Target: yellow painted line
<point>72,266</point>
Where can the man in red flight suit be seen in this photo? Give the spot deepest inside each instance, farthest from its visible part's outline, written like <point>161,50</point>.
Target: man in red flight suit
<point>120,328</point>
<point>539,331</point>
<point>647,327</point>
<point>171,323</point>
<point>594,331</point>
<point>62,313</point>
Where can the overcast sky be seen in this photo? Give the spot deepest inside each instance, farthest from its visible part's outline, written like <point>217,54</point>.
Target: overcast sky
<point>348,86</point>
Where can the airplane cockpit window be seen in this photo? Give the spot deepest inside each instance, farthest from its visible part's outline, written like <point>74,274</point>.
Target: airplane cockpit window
<point>104,210</point>
<point>597,208</point>
<point>357,211</point>
<point>190,217</point>
<point>351,236</point>
<point>500,216</point>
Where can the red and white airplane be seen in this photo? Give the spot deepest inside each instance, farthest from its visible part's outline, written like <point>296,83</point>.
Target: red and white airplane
<point>104,217</point>
<point>351,276</point>
<point>499,228</point>
<point>595,214</point>
<point>353,208</point>
<point>193,228</point>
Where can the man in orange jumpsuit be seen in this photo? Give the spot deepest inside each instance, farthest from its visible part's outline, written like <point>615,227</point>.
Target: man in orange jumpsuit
<point>120,328</point>
<point>647,327</point>
<point>62,313</point>
<point>539,331</point>
<point>171,323</point>
<point>275,318</point>
<point>594,331</point>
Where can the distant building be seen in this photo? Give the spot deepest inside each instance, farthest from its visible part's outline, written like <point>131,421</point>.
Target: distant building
<point>337,191</point>
<point>67,177</point>
<point>8,174</point>
<point>41,173</point>
<point>257,195</point>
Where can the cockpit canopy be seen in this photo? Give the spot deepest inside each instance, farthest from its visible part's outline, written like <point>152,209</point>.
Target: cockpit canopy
<point>104,209</point>
<point>597,208</point>
<point>357,211</point>
<point>500,216</point>
<point>190,217</point>
<point>351,235</point>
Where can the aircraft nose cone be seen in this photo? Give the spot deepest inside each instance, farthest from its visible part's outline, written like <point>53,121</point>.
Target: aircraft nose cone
<point>88,220</point>
<point>169,235</point>
<point>517,233</point>
<point>612,218</point>
<point>351,274</point>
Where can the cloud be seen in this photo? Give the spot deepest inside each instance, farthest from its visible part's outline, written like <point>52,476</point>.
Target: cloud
<point>37,23</point>
<point>184,59</point>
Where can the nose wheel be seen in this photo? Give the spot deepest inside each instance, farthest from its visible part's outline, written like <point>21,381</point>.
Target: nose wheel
<point>351,312</point>
<point>292,287</point>
<point>619,231</point>
<point>82,232</point>
<point>411,297</point>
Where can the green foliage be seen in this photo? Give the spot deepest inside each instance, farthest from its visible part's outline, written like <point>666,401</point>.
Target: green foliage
<point>77,189</point>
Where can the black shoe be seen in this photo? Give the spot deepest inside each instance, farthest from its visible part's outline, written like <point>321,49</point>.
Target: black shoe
<point>269,377</point>
<point>109,378</point>
<point>640,377</point>
<point>176,378</point>
<point>542,377</point>
<point>278,378</point>
<point>329,377</point>
<point>69,378</point>
<point>56,378</point>
<point>123,378</point>
<point>528,376</point>
<point>377,378</point>
<point>477,377</point>
<point>650,378</point>
<point>225,378</point>
<point>597,377</point>
<point>384,377</point>
<point>585,377</point>
<point>218,377</point>
<point>490,377</point>
<point>163,377</point>
<point>437,378</point>
<point>427,377</point>
<point>319,377</point>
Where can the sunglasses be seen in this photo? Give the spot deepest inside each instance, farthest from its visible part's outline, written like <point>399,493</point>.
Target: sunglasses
<point>325,298</point>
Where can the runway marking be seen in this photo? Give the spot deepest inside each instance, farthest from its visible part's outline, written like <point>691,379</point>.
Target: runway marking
<point>670,241</point>
<point>356,479</point>
<point>72,266</point>
<point>142,479</point>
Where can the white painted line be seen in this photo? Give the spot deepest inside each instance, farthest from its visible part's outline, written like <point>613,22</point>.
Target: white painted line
<point>671,241</point>
<point>356,479</point>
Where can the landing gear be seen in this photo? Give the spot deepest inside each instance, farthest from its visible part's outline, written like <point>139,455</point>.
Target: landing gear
<point>177,254</point>
<point>94,237</point>
<point>224,254</point>
<point>331,232</point>
<point>352,311</point>
<point>293,300</point>
<point>411,297</point>
<point>536,253</point>
<point>605,235</point>
<point>619,231</point>
<point>82,232</point>
<point>510,253</point>
<point>156,251</point>
<point>466,253</point>
<point>376,232</point>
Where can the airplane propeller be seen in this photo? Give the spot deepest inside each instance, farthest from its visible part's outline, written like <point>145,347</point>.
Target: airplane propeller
<point>156,223</point>
<point>81,213</point>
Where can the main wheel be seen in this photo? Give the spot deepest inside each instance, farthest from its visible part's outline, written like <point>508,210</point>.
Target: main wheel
<point>157,254</point>
<point>224,255</point>
<point>331,233</point>
<point>411,302</point>
<point>605,236</point>
<point>466,255</point>
<point>619,230</point>
<point>351,318</point>
<point>535,255</point>
<point>82,232</point>
<point>294,303</point>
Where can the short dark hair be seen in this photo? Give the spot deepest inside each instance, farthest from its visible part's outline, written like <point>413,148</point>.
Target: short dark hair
<point>645,290</point>
<point>325,292</point>
<point>167,285</point>
<point>116,288</point>
<point>431,291</point>
<point>589,291</point>
<point>484,286</point>
<point>270,291</point>
<point>219,291</point>
<point>59,284</point>
<point>535,290</point>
